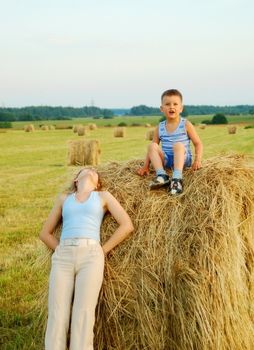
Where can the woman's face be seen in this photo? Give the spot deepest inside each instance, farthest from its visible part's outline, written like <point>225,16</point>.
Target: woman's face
<point>88,173</point>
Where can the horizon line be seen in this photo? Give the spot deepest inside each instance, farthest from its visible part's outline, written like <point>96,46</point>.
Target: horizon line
<point>127,108</point>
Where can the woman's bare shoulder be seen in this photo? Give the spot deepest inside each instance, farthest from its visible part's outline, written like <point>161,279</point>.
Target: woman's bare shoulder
<point>106,197</point>
<point>61,198</point>
<point>103,194</point>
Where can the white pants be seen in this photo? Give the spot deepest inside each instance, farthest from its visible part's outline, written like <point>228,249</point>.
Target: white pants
<point>75,282</point>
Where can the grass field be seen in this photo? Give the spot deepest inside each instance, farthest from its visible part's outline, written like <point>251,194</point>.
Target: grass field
<point>33,171</point>
<point>131,120</point>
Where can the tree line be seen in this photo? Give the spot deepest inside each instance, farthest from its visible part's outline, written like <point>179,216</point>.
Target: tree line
<point>49,113</point>
<point>196,110</point>
<point>33,113</point>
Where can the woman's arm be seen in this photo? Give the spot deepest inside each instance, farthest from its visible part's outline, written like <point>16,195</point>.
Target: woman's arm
<point>125,225</point>
<point>50,225</point>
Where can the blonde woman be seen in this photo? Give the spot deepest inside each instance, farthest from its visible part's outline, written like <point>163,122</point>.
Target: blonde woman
<point>78,259</point>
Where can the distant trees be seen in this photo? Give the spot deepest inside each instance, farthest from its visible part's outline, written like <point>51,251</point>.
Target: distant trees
<point>46,112</point>
<point>196,110</point>
<point>33,113</point>
<point>206,121</point>
<point>107,113</point>
<point>5,125</point>
<point>219,118</point>
<point>209,109</point>
<point>6,116</point>
<point>108,117</point>
<point>144,110</point>
<point>184,112</point>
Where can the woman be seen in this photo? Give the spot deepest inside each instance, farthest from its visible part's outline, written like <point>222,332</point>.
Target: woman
<point>78,259</point>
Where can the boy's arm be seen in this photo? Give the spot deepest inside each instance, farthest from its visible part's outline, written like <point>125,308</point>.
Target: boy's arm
<point>144,170</point>
<point>197,144</point>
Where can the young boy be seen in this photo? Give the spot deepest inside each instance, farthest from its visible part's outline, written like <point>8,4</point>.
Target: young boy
<point>174,134</point>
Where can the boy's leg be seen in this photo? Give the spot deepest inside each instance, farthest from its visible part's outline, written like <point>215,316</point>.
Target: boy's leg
<point>87,287</point>
<point>61,285</point>
<point>176,186</point>
<point>156,156</point>
<point>188,160</point>
<point>179,156</point>
<point>157,159</point>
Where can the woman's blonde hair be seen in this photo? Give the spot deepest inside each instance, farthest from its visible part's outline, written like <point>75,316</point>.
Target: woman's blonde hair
<point>73,185</point>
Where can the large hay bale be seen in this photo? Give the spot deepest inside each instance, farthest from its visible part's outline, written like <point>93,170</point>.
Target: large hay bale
<point>147,125</point>
<point>45,127</point>
<point>92,126</point>
<point>184,280</point>
<point>52,127</point>
<point>81,131</point>
<point>84,152</point>
<point>231,129</point>
<point>29,128</point>
<point>119,132</point>
<point>150,134</point>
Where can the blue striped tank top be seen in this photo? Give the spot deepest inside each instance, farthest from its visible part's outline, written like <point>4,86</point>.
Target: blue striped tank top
<point>82,220</point>
<point>168,139</point>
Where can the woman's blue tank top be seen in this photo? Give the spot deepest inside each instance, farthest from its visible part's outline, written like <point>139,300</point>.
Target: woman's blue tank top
<point>82,220</point>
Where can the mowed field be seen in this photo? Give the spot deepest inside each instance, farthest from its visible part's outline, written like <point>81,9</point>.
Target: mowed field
<point>33,171</point>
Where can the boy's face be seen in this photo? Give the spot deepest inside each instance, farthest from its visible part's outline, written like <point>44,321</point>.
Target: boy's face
<point>171,107</point>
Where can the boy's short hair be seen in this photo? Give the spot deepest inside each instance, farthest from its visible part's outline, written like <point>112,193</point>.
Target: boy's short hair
<point>172,92</point>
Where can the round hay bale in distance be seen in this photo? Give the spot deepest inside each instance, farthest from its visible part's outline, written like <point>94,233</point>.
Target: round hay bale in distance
<point>29,128</point>
<point>75,127</point>
<point>119,131</point>
<point>147,125</point>
<point>81,130</point>
<point>45,127</point>
<point>202,126</point>
<point>92,126</point>
<point>83,152</point>
<point>150,134</point>
<point>232,129</point>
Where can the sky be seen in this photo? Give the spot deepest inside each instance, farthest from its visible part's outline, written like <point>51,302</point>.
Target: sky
<point>123,53</point>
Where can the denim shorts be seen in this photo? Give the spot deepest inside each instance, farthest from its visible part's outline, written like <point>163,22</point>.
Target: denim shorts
<point>169,160</point>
